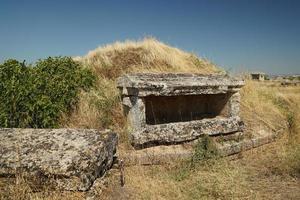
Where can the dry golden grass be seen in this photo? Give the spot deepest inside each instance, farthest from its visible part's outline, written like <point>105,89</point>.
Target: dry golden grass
<point>258,175</point>
<point>20,189</point>
<point>149,54</point>
<point>259,109</point>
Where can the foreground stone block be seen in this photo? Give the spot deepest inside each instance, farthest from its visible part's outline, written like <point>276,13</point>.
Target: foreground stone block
<point>73,158</point>
<point>166,108</point>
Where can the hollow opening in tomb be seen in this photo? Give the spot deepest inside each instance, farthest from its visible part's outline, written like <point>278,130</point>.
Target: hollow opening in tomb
<point>168,109</point>
<point>255,76</point>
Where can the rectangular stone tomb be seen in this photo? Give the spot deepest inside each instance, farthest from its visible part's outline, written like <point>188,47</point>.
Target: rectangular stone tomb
<point>71,159</point>
<point>260,76</point>
<point>167,108</point>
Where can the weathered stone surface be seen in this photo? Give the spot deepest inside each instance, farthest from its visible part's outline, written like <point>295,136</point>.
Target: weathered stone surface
<point>233,147</point>
<point>96,190</point>
<point>234,104</point>
<point>168,153</point>
<point>185,131</point>
<point>170,84</point>
<point>74,158</point>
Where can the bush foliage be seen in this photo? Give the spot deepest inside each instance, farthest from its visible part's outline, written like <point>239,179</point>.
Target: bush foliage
<point>36,96</point>
<point>205,149</point>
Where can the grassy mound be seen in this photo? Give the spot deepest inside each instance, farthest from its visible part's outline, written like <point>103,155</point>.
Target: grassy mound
<point>113,60</point>
<point>100,108</point>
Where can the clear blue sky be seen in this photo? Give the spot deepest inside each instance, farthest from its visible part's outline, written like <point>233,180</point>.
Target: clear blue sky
<point>237,35</point>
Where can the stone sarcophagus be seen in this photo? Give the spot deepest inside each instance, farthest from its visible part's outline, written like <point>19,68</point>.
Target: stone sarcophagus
<point>166,108</point>
<point>69,159</point>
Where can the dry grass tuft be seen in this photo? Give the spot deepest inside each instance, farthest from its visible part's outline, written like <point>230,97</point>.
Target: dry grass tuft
<point>20,188</point>
<point>259,109</point>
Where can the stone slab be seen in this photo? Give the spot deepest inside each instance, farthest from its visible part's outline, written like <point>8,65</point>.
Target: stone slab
<point>185,131</point>
<point>166,154</point>
<point>74,158</point>
<point>170,84</point>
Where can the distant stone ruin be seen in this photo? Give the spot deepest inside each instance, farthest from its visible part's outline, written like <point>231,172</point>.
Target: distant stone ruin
<point>169,108</point>
<point>259,76</point>
<point>70,158</point>
<point>290,83</point>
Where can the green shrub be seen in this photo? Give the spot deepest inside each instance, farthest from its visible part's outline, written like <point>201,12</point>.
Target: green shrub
<point>291,122</point>
<point>36,96</point>
<point>205,149</point>
<point>15,84</point>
